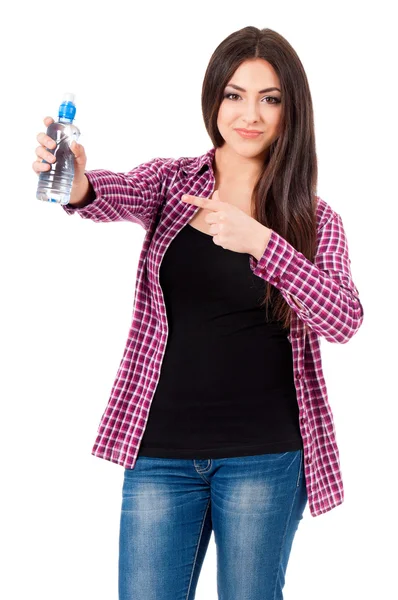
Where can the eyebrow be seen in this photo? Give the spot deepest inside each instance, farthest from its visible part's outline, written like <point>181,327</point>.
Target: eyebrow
<point>237,87</point>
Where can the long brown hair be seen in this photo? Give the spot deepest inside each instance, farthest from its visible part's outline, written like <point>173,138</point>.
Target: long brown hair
<point>284,197</point>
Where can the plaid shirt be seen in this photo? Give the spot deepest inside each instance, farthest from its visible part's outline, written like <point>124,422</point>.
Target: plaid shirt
<point>322,294</point>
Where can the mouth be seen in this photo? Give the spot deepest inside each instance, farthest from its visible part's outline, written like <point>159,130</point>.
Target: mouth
<point>248,130</point>
<point>248,133</point>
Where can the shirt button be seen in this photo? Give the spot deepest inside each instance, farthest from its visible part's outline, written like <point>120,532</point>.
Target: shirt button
<point>298,376</point>
<point>302,420</point>
<point>277,279</point>
<point>308,461</point>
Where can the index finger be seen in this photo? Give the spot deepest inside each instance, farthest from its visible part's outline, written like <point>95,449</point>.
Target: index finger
<point>45,140</point>
<point>195,200</point>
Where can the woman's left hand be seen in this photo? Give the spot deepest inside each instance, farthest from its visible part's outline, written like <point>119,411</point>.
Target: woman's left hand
<point>231,227</point>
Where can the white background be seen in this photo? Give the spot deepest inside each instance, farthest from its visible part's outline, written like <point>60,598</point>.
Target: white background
<point>68,283</point>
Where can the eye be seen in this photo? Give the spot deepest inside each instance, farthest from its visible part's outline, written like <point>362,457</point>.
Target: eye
<point>274,98</point>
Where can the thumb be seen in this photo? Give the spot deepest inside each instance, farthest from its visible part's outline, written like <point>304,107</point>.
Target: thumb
<point>75,147</point>
<point>79,153</point>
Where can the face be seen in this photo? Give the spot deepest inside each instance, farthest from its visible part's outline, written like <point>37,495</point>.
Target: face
<point>253,107</point>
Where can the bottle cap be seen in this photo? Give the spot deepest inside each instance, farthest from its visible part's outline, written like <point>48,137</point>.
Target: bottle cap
<point>68,97</point>
<point>67,109</point>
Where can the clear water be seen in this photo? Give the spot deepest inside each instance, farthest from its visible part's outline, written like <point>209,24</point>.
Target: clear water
<point>55,184</point>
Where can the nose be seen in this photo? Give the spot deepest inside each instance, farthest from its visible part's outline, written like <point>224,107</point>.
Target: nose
<point>251,112</point>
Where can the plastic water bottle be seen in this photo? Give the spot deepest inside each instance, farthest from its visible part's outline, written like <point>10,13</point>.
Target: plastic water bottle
<point>56,183</point>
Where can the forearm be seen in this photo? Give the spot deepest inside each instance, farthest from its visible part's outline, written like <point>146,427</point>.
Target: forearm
<point>133,196</point>
<point>322,293</point>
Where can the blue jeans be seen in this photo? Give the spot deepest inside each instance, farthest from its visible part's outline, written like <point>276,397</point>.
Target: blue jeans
<point>170,506</point>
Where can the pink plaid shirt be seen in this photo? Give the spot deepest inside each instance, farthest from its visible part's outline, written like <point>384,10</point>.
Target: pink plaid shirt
<point>322,294</point>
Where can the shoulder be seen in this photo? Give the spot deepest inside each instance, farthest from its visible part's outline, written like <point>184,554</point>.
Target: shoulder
<point>183,165</point>
<point>324,213</point>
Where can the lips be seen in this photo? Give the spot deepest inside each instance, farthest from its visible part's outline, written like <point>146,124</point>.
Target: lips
<point>248,134</point>
<point>248,130</point>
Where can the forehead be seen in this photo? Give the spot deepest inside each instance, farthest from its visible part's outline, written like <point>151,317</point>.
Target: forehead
<point>255,71</point>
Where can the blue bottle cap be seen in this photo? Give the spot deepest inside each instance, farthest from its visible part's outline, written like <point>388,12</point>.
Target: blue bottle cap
<point>67,109</point>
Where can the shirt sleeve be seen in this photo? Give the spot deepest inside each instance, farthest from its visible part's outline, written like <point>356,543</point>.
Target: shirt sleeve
<point>322,293</point>
<point>134,196</point>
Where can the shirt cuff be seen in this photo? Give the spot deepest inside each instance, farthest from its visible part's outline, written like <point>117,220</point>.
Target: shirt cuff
<point>277,265</point>
<point>276,259</point>
<point>90,209</point>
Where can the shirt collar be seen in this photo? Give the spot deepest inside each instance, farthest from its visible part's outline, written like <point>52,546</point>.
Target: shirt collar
<point>192,166</point>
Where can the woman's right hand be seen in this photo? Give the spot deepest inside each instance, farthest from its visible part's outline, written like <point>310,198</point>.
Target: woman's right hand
<point>80,182</point>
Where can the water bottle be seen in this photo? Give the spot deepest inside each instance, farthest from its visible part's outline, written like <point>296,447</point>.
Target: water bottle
<point>55,184</point>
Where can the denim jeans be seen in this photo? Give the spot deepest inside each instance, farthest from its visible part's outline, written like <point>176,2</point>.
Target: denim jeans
<point>170,506</point>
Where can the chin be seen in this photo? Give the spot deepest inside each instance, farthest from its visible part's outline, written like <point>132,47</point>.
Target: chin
<point>247,151</point>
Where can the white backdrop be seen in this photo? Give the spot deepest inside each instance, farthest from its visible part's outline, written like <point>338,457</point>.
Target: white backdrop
<point>68,283</point>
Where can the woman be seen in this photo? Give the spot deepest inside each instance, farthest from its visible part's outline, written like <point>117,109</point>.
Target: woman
<point>219,412</point>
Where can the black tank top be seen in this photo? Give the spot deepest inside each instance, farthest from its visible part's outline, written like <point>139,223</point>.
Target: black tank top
<point>226,384</point>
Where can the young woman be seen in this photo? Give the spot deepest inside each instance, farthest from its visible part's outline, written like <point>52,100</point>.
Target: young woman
<point>219,413</point>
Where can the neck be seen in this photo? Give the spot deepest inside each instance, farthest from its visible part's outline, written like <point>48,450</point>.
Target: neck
<point>232,167</point>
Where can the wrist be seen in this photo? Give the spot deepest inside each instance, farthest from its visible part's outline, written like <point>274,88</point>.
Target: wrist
<point>261,241</point>
<point>82,193</point>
